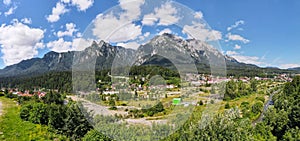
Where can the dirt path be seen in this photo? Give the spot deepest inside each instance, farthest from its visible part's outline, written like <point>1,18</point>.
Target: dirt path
<point>103,110</point>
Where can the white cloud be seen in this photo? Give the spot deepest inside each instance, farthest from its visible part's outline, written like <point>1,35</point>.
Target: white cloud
<point>112,29</point>
<point>288,66</point>
<point>248,59</point>
<point>119,28</point>
<point>132,8</point>
<point>198,15</point>
<point>234,37</point>
<point>237,47</point>
<point>245,59</point>
<point>165,15</point>
<point>70,29</point>
<point>10,11</point>
<point>80,44</point>
<point>235,25</point>
<point>200,32</point>
<point>230,53</point>
<point>26,20</point>
<point>60,45</point>
<point>82,5</point>
<point>149,19</point>
<point>147,34</point>
<point>144,36</point>
<point>57,11</point>
<point>131,45</point>
<point>7,2</point>
<point>19,42</point>
<point>77,44</point>
<point>167,30</point>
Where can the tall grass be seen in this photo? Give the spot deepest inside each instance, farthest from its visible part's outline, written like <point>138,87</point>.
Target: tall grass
<point>13,128</point>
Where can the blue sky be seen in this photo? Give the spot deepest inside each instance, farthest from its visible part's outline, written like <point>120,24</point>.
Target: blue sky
<point>262,32</point>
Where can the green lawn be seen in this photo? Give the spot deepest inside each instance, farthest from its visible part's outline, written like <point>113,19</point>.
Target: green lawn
<point>13,128</point>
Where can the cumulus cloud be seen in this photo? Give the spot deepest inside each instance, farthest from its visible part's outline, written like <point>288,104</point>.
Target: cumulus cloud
<point>235,37</point>
<point>61,45</point>
<point>70,30</point>
<point>110,28</point>
<point>198,15</point>
<point>237,47</point>
<point>19,42</point>
<point>7,2</point>
<point>80,44</point>
<point>235,25</point>
<point>82,5</point>
<point>121,28</point>
<point>200,32</point>
<point>132,8</point>
<point>26,20</point>
<point>10,11</point>
<point>165,15</point>
<point>57,11</point>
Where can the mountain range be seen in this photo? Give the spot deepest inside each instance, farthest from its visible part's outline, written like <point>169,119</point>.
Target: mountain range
<point>164,50</point>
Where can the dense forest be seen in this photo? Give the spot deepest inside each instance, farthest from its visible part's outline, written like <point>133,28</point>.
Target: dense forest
<point>62,81</point>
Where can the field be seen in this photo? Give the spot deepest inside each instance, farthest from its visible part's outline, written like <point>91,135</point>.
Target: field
<point>13,128</point>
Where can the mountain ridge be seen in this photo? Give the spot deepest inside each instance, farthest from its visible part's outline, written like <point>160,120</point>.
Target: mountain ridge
<point>105,53</point>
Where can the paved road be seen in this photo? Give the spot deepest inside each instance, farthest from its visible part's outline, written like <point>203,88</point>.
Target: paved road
<point>265,108</point>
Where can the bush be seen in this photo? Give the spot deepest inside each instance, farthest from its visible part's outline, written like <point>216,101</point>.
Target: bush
<point>113,108</point>
<point>262,99</point>
<point>245,104</point>
<point>200,102</point>
<point>25,112</point>
<point>39,114</point>
<point>227,106</point>
<point>94,135</point>
<point>257,107</point>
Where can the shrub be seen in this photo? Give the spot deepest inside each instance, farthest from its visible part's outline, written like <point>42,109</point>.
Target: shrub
<point>200,102</point>
<point>94,135</point>
<point>257,107</point>
<point>227,106</point>
<point>262,99</point>
<point>113,108</point>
